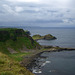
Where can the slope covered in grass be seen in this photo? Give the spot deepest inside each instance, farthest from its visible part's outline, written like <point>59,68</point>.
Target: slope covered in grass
<point>11,67</point>
<point>13,46</point>
<point>17,40</point>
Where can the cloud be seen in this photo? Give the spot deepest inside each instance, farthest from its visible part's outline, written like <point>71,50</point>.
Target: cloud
<point>65,20</point>
<point>69,20</point>
<point>19,9</point>
<point>49,21</point>
<point>38,11</point>
<point>2,12</point>
<point>23,0</point>
<point>8,9</point>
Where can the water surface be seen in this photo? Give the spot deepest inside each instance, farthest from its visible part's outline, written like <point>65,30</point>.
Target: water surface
<point>55,63</point>
<point>65,36</point>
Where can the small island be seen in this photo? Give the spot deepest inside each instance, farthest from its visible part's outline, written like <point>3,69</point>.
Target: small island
<point>45,37</point>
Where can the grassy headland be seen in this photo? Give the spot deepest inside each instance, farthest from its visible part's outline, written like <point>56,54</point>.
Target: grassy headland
<point>16,40</point>
<point>14,44</point>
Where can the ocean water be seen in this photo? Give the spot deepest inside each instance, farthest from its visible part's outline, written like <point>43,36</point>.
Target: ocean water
<point>55,63</point>
<point>65,36</point>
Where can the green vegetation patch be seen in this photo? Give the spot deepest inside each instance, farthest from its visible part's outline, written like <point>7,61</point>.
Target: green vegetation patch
<point>46,37</point>
<point>37,37</point>
<point>12,42</point>
<point>11,67</point>
<point>16,40</point>
<point>3,48</point>
<point>19,56</point>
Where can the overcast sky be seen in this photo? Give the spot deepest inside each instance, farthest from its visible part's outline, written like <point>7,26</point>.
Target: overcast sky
<point>52,13</point>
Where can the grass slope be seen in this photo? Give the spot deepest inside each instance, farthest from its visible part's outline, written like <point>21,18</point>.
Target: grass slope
<point>17,40</point>
<point>11,67</point>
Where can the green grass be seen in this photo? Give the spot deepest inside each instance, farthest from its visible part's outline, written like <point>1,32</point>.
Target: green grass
<point>18,56</point>
<point>17,45</point>
<point>3,48</point>
<point>10,67</point>
<point>7,73</point>
<point>45,37</point>
<point>35,37</point>
<point>16,40</point>
<point>7,29</point>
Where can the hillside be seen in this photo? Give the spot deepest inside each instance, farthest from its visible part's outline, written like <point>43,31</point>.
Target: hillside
<point>14,44</point>
<point>10,67</point>
<point>16,40</point>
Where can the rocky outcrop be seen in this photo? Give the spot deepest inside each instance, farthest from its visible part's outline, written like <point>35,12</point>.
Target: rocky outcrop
<point>49,37</point>
<point>46,37</point>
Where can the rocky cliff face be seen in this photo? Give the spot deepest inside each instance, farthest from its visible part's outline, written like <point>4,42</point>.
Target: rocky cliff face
<point>6,34</point>
<point>17,39</point>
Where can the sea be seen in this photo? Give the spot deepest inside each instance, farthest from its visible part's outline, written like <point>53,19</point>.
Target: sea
<point>65,36</point>
<point>55,63</point>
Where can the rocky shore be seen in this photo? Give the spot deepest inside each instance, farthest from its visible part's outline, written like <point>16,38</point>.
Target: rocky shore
<point>28,60</point>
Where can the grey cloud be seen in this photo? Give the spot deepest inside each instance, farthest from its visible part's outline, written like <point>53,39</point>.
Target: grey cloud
<point>29,11</point>
<point>44,12</point>
<point>52,11</point>
<point>2,12</point>
<point>49,21</point>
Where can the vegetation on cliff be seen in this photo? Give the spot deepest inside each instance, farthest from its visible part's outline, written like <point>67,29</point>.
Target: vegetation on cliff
<point>18,40</point>
<point>13,46</point>
<point>46,37</point>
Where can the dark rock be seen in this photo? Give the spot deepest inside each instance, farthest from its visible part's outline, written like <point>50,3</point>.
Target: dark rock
<point>49,37</point>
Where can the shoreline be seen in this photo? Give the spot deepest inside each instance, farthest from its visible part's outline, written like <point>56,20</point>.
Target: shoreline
<point>29,59</point>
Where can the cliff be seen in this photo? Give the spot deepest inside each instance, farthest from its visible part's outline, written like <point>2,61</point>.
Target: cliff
<point>16,40</point>
<point>14,44</point>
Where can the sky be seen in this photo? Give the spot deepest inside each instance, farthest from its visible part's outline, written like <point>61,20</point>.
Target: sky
<point>44,13</point>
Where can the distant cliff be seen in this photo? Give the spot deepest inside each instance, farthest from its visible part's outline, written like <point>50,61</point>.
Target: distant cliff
<point>16,40</point>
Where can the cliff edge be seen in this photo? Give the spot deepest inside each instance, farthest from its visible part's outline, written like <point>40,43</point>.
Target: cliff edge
<point>14,40</point>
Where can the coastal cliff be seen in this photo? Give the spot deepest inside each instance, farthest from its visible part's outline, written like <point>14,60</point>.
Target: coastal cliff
<point>14,44</point>
<point>14,40</point>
